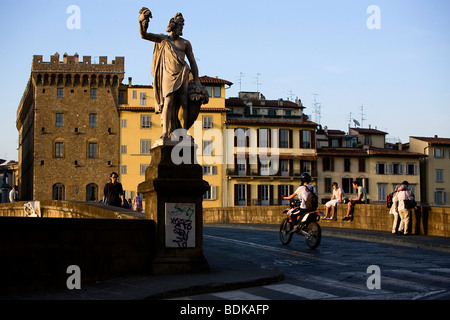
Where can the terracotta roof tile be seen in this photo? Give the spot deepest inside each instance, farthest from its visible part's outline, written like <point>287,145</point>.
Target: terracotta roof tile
<point>434,140</point>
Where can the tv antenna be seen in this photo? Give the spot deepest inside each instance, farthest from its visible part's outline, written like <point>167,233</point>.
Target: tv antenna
<point>257,82</point>
<point>241,75</point>
<point>362,115</point>
<point>317,108</point>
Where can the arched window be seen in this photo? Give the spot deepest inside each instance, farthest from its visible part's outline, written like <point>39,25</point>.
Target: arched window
<point>59,192</point>
<point>92,192</point>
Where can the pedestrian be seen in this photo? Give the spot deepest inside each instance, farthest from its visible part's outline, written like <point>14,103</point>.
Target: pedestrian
<point>405,213</point>
<point>361,198</point>
<point>13,195</point>
<point>113,192</point>
<point>302,192</point>
<point>394,208</point>
<point>137,203</point>
<point>336,198</point>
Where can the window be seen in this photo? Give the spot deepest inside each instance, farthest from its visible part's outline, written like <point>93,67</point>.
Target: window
<point>146,121</point>
<point>207,148</point>
<point>217,92</point>
<point>440,197</point>
<point>93,93</point>
<point>265,167</point>
<point>283,190</point>
<point>264,194</point>
<point>347,185</point>
<point>143,168</point>
<point>263,138</point>
<point>382,187</point>
<point>209,170</point>
<point>92,192</point>
<point>305,139</point>
<point>134,94</point>
<point>92,150</point>
<point>58,192</point>
<point>211,193</point>
<point>123,169</point>
<point>439,153</point>
<point>411,169</point>
<point>207,122</point>
<point>213,91</point>
<point>60,92</point>
<point>381,168</point>
<point>328,164</point>
<point>327,185</point>
<point>396,168</point>
<point>123,123</point>
<point>121,97</point>
<point>439,175</point>
<point>347,163</point>
<point>123,149</point>
<point>92,120</point>
<point>146,145</point>
<point>241,194</point>
<point>142,99</point>
<point>361,165</point>
<point>59,149</point>
<point>305,166</point>
<point>285,138</point>
<point>284,168</point>
<point>241,137</point>
<point>59,121</point>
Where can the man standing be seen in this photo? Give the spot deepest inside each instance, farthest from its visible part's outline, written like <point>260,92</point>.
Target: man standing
<point>13,195</point>
<point>113,192</point>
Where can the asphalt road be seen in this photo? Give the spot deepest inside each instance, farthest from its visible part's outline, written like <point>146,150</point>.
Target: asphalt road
<point>340,269</point>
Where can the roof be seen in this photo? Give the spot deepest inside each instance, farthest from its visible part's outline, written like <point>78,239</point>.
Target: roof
<point>211,80</point>
<point>368,131</point>
<point>371,151</point>
<point>434,140</point>
<point>230,102</point>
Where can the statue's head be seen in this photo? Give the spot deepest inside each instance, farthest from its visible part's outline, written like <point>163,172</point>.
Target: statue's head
<point>176,24</point>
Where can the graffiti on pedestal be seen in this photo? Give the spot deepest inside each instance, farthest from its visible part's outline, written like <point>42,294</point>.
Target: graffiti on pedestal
<point>180,225</point>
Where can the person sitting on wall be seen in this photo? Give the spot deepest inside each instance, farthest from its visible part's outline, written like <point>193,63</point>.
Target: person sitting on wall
<point>361,198</point>
<point>337,197</point>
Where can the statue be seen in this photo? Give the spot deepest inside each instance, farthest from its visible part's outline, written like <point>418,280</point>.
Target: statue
<point>178,100</point>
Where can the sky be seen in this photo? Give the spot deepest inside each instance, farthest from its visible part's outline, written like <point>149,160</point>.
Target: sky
<point>383,63</point>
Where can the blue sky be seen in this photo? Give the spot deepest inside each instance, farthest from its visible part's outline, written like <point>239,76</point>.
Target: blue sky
<point>323,50</point>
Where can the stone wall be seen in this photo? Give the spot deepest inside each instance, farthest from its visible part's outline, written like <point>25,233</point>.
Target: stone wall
<point>433,221</point>
<point>36,252</point>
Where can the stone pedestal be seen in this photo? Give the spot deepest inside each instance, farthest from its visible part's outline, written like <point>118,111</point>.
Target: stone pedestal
<point>173,198</point>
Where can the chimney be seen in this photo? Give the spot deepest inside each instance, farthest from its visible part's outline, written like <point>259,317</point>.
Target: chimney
<point>130,82</point>
<point>435,136</point>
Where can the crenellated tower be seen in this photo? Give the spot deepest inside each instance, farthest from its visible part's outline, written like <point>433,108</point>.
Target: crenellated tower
<point>68,126</point>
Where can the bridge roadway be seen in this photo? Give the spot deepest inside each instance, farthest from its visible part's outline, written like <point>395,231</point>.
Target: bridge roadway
<point>249,262</point>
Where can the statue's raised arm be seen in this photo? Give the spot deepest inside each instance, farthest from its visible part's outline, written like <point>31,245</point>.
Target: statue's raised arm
<point>144,21</point>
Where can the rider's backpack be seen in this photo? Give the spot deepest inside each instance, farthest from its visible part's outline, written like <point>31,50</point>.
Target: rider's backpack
<point>389,200</point>
<point>312,201</point>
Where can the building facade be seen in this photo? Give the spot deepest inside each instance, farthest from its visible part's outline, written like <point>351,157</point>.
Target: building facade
<point>434,169</point>
<point>140,127</point>
<point>270,143</point>
<point>362,156</point>
<point>68,126</point>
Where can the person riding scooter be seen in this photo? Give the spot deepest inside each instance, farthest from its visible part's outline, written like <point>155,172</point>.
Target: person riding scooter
<point>302,192</point>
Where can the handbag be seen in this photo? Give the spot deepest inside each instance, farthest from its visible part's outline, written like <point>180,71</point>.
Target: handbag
<point>409,203</point>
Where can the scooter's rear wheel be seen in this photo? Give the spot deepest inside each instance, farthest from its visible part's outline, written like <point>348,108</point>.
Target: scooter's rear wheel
<point>285,232</point>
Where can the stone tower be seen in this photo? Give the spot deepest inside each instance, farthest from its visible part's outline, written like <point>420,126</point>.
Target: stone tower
<point>68,126</point>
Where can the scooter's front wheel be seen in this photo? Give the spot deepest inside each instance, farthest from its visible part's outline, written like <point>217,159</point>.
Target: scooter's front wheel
<point>285,232</point>
<point>314,235</point>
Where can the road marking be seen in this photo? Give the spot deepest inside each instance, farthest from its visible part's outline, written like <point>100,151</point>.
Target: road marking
<point>237,295</point>
<point>261,246</point>
<point>300,291</point>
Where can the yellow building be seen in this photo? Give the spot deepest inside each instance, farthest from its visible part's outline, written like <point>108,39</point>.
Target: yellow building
<point>269,144</point>
<point>435,168</point>
<point>140,127</point>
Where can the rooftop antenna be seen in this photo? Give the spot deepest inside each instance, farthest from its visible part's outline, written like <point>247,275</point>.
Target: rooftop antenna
<point>257,82</point>
<point>350,120</point>
<point>317,108</point>
<point>241,75</point>
<point>362,115</point>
